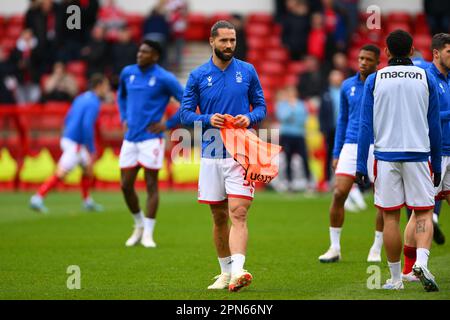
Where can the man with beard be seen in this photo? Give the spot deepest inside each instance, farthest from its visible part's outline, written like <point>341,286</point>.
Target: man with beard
<point>145,89</point>
<point>439,68</point>
<point>224,86</point>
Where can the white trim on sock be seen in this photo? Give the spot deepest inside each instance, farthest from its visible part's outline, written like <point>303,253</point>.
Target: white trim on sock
<point>237,264</point>
<point>335,238</point>
<point>435,218</point>
<point>225,264</point>
<point>378,241</point>
<point>422,255</point>
<point>149,226</point>
<point>396,271</point>
<point>138,219</point>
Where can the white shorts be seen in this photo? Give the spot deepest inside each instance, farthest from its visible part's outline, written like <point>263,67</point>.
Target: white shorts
<point>347,161</point>
<point>220,179</point>
<point>73,154</point>
<point>444,188</point>
<point>148,154</point>
<point>403,183</point>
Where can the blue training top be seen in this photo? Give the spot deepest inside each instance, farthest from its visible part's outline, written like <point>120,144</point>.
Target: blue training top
<point>394,126</point>
<point>347,127</point>
<point>443,88</point>
<point>143,97</point>
<point>231,91</point>
<point>79,125</point>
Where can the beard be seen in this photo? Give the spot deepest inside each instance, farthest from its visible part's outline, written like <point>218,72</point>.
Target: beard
<point>221,55</point>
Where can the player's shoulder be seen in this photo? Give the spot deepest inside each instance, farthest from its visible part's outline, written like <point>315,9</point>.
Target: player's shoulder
<point>132,68</point>
<point>202,69</point>
<point>350,81</point>
<point>244,65</point>
<point>164,73</point>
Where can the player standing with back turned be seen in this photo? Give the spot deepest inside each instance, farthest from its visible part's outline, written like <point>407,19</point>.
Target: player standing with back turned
<point>400,110</point>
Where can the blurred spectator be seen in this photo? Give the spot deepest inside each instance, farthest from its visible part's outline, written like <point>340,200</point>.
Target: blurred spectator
<point>157,28</point>
<point>292,114</point>
<point>350,7</point>
<point>89,11</point>
<point>96,51</point>
<point>42,17</point>
<point>177,16</point>
<point>311,82</point>
<point>438,15</point>
<point>27,64</point>
<point>241,41</point>
<point>340,62</point>
<point>60,85</point>
<point>317,37</point>
<point>328,113</point>
<point>296,26</point>
<point>70,41</point>
<point>112,19</point>
<point>280,10</point>
<point>335,27</point>
<point>123,53</point>
<point>8,82</point>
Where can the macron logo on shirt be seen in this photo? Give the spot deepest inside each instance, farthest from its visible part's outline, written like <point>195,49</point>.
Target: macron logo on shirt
<point>401,74</point>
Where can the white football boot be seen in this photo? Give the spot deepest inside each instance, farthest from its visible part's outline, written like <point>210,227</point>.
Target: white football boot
<point>332,255</point>
<point>222,281</point>
<point>135,237</point>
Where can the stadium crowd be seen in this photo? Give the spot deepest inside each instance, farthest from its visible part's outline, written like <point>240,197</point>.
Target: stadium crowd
<point>310,47</point>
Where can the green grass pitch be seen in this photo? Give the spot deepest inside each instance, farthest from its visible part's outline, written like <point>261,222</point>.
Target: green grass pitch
<point>287,233</point>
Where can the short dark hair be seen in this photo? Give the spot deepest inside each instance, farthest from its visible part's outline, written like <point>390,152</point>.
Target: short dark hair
<point>154,45</point>
<point>221,24</point>
<point>439,41</point>
<point>399,43</point>
<point>95,80</point>
<point>372,48</point>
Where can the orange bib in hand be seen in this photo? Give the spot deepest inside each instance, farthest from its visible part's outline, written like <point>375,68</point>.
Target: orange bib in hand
<point>257,157</point>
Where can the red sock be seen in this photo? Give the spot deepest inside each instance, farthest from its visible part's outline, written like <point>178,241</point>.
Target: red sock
<point>85,185</point>
<point>410,258</point>
<point>48,185</point>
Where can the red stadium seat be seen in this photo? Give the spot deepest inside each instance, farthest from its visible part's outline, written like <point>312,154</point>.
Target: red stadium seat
<point>257,30</point>
<point>135,20</point>
<point>399,16</point>
<point>254,57</point>
<point>196,30</point>
<point>296,67</point>
<point>218,16</point>
<point>274,42</point>
<point>17,20</point>
<point>422,41</point>
<point>81,82</point>
<point>8,44</point>
<point>256,43</point>
<point>392,26</point>
<point>136,33</point>
<point>264,18</point>
<point>13,31</point>
<point>290,79</point>
<point>278,55</point>
<point>268,82</point>
<point>272,68</point>
<point>77,68</point>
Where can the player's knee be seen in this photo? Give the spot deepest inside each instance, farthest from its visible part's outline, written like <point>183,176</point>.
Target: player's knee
<point>126,187</point>
<point>238,214</point>
<point>339,194</point>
